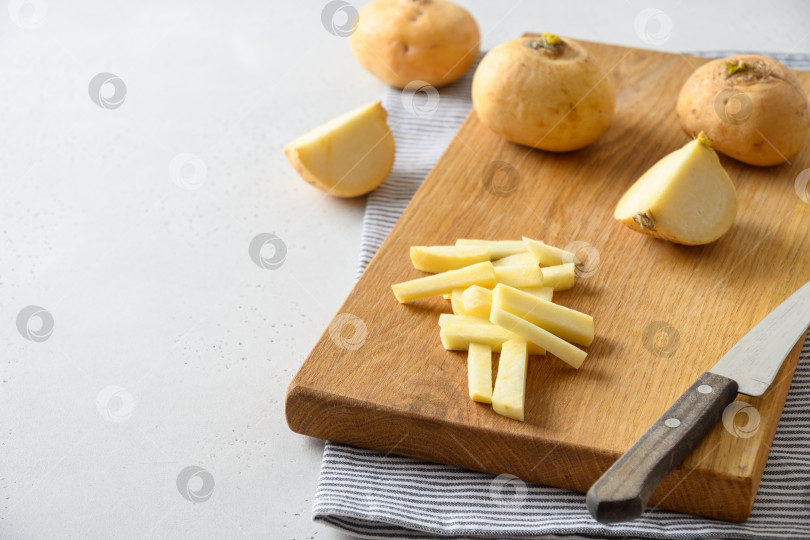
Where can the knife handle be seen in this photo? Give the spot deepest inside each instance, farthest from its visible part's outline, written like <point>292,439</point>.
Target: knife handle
<point>622,492</point>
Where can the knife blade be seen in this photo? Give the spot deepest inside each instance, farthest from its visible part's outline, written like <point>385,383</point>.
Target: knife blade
<point>749,367</point>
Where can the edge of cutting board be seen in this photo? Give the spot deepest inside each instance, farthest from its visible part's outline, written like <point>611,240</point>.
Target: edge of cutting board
<point>313,412</point>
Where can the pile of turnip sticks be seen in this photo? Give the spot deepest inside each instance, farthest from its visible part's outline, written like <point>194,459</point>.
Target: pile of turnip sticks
<point>501,295</point>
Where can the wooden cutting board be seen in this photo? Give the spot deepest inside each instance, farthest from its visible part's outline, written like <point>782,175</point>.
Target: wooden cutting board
<point>664,313</point>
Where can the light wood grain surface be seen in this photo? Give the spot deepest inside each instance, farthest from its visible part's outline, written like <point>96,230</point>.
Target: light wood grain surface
<point>401,392</point>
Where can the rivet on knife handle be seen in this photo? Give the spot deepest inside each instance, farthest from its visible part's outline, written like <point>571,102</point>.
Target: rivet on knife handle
<point>622,492</point>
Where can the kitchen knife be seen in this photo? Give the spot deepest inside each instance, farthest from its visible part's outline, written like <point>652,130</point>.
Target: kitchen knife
<point>749,367</point>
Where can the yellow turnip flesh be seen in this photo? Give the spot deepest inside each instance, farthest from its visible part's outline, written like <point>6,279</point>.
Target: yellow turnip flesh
<point>687,197</point>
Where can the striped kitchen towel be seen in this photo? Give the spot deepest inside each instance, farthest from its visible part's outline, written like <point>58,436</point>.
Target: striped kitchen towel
<point>373,495</point>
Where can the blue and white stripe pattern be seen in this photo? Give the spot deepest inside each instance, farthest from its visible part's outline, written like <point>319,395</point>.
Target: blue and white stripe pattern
<point>372,495</point>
